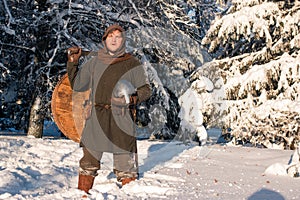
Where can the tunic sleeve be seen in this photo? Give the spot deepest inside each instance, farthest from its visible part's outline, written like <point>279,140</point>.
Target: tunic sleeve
<point>72,69</point>
<point>80,79</point>
<point>140,80</point>
<point>143,93</point>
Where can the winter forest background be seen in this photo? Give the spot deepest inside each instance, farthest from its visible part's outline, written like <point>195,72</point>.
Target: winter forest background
<point>239,59</point>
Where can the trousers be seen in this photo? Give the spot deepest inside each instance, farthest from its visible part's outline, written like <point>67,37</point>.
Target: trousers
<point>125,165</point>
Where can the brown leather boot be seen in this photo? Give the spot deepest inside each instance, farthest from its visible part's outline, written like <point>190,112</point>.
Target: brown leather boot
<point>127,180</point>
<point>85,182</point>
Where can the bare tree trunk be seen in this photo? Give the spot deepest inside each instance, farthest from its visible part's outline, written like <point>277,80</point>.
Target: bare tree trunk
<point>37,111</point>
<point>36,119</point>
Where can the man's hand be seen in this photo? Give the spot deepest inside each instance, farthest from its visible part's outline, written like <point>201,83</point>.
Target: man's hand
<point>118,101</point>
<point>74,54</point>
<point>118,105</point>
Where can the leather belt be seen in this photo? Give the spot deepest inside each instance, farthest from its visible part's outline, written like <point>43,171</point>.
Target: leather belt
<point>105,106</point>
<point>108,106</point>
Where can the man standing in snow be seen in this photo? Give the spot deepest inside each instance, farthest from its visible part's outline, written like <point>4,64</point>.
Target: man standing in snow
<point>110,127</point>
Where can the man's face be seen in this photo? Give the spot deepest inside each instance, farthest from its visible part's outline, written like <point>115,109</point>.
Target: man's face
<point>114,41</point>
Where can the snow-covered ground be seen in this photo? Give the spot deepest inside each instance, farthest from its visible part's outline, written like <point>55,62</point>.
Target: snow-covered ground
<point>47,169</point>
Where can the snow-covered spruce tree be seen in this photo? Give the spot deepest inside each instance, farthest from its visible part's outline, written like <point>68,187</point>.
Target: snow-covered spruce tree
<point>257,50</point>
